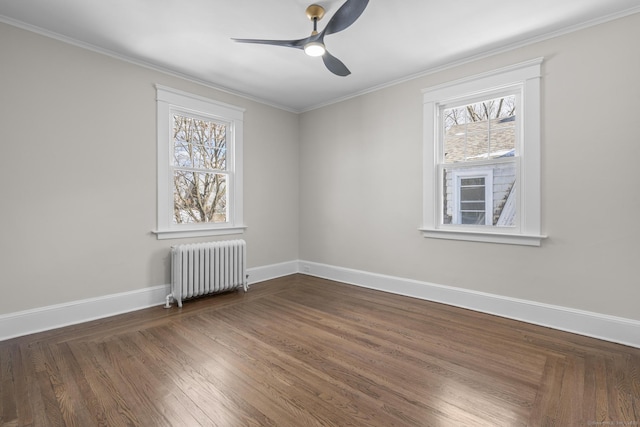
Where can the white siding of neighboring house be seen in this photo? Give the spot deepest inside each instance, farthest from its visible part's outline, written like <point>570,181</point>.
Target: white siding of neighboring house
<point>503,177</point>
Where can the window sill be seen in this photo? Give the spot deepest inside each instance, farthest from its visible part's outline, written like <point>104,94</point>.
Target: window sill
<point>201,232</point>
<point>483,236</point>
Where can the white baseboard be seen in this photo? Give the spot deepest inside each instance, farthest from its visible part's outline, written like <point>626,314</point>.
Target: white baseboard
<point>268,272</point>
<point>56,316</point>
<point>608,328</point>
<point>596,325</point>
<point>27,322</point>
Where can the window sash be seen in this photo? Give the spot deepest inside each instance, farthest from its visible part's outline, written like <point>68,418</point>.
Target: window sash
<point>227,171</point>
<point>472,164</point>
<point>208,205</point>
<point>202,144</point>
<point>470,132</point>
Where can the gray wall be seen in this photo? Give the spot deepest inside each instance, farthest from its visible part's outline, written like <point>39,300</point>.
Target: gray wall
<point>340,185</point>
<point>78,171</point>
<point>361,181</point>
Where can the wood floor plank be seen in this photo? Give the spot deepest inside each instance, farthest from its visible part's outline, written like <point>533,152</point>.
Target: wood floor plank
<point>360,370</point>
<point>8,414</point>
<point>58,377</point>
<point>109,404</point>
<point>250,382</point>
<point>29,399</point>
<point>438,343</point>
<point>633,387</point>
<point>313,387</point>
<point>124,373</point>
<point>304,351</point>
<point>178,405</point>
<point>384,346</point>
<point>206,378</point>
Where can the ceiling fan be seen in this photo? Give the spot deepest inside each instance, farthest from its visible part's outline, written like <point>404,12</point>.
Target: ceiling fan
<point>314,44</point>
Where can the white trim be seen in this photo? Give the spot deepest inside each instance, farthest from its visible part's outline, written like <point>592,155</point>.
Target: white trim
<point>200,103</point>
<point>179,234</point>
<point>466,86</point>
<point>59,315</point>
<point>268,272</point>
<point>596,325</point>
<point>171,101</point>
<point>41,319</point>
<point>523,79</point>
<point>483,236</point>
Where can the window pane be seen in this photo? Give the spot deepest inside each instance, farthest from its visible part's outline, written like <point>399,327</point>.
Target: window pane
<point>472,181</point>
<point>199,144</point>
<point>472,200</point>
<point>447,196</point>
<point>504,184</point>
<point>199,197</point>
<point>472,206</point>
<point>472,194</point>
<point>477,140</point>
<point>475,218</point>
<point>480,130</point>
<point>454,117</point>
<point>503,138</point>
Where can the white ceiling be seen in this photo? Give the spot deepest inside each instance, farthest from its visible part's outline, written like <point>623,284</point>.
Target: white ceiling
<point>391,41</point>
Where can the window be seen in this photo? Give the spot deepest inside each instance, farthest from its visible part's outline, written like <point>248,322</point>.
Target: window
<point>199,166</point>
<point>472,198</point>
<point>482,157</point>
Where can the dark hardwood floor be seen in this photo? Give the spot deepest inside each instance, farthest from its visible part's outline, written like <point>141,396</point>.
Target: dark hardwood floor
<point>302,351</point>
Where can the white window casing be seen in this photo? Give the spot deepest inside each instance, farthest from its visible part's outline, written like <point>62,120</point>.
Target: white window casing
<point>523,80</point>
<point>172,101</point>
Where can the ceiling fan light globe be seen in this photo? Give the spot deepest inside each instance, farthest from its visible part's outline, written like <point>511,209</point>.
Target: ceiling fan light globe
<point>314,49</point>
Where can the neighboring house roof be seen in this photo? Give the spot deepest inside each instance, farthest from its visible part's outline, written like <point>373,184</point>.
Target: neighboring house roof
<point>470,141</point>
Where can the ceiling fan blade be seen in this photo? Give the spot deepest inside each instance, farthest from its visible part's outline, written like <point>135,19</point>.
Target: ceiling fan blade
<point>299,44</point>
<point>345,16</point>
<point>335,65</point>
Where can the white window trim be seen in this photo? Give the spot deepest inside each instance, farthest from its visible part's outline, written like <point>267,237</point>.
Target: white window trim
<point>487,174</point>
<point>527,76</point>
<point>172,100</point>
